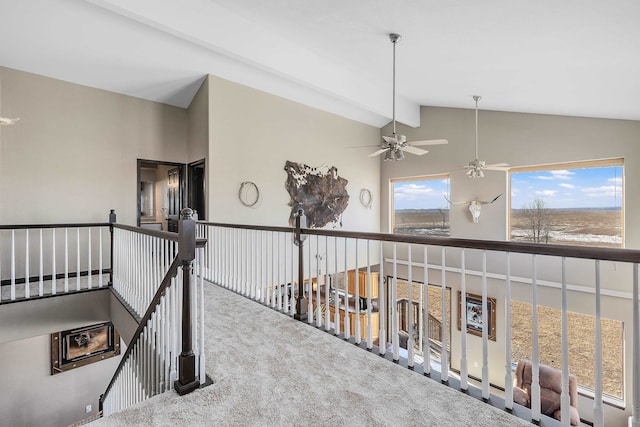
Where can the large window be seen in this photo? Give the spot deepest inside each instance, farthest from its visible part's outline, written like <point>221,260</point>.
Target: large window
<point>419,205</point>
<point>573,204</point>
<point>581,345</point>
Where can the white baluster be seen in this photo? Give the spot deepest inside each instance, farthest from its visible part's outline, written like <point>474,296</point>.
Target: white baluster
<point>358,332</point>
<point>53,262</point>
<point>41,268</point>
<point>535,373</point>
<point>203,376</point>
<point>426,347</point>
<point>100,257</point>
<point>382,294</point>
<point>327,285</point>
<point>485,331</point>
<point>508,379</point>
<point>444,354</point>
<point>309,285</point>
<point>13,265</point>
<point>27,292</point>
<point>336,314</point>
<point>347,325</point>
<point>78,270</point>
<point>410,351</point>
<point>89,286</point>
<point>464,372</point>
<point>369,327</point>
<point>394,306</point>
<point>598,415</point>
<point>318,305</point>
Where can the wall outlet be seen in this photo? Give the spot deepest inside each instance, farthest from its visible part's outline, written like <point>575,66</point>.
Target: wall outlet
<point>87,409</point>
<point>475,363</point>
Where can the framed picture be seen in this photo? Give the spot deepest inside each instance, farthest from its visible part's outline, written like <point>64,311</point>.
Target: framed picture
<point>474,313</point>
<point>81,346</point>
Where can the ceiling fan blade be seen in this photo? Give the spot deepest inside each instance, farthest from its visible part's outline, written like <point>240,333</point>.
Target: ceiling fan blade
<point>430,142</point>
<point>414,150</point>
<point>498,166</point>
<point>364,146</point>
<point>377,153</point>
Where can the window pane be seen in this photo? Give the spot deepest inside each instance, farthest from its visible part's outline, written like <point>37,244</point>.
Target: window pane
<point>420,207</point>
<point>581,344</point>
<point>571,206</point>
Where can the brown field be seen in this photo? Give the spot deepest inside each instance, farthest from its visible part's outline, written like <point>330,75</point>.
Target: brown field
<point>581,339</point>
<point>596,227</point>
<point>581,344</point>
<point>431,222</point>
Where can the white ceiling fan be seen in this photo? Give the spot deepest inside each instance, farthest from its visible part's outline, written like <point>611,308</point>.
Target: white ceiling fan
<point>395,145</point>
<point>476,167</point>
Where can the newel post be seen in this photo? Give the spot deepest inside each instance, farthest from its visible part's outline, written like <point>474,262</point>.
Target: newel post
<point>187,381</point>
<point>301,301</point>
<point>112,220</point>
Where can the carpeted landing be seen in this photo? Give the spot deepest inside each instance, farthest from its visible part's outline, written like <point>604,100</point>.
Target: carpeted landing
<point>271,370</point>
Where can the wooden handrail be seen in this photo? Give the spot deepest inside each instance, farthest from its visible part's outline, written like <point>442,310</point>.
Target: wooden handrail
<point>586,252</point>
<point>36,226</point>
<point>166,281</point>
<point>250,227</point>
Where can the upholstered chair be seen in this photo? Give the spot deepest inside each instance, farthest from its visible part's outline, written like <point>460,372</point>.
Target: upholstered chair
<point>550,389</point>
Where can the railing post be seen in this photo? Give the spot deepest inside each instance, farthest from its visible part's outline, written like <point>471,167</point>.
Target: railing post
<point>187,381</point>
<point>301,301</point>
<point>112,220</point>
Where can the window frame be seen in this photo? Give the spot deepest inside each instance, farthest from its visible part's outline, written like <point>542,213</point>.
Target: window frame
<point>582,164</point>
<point>393,181</point>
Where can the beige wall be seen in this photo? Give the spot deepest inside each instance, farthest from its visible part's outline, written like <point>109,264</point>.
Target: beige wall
<point>254,133</point>
<point>520,140</point>
<point>31,396</point>
<point>72,156</point>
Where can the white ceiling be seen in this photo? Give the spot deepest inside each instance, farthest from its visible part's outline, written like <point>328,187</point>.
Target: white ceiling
<point>570,57</point>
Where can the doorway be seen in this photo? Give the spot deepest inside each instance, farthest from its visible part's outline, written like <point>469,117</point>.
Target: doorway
<point>197,190</point>
<point>160,194</point>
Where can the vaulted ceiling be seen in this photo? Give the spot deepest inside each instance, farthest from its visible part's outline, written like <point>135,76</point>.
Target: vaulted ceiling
<point>570,57</point>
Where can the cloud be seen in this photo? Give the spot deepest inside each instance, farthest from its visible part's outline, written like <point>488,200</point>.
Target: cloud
<point>565,185</point>
<point>562,174</point>
<point>412,191</point>
<point>603,191</point>
<point>617,180</point>
<point>546,193</point>
<point>557,174</point>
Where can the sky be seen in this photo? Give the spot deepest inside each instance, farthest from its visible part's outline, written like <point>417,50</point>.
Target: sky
<point>562,188</point>
<point>569,188</point>
<point>426,194</point>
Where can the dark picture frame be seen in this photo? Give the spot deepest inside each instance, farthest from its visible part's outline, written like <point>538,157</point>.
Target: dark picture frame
<point>77,347</point>
<point>474,315</point>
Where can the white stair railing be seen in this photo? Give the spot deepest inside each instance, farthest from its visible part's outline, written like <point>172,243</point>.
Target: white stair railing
<point>141,259</point>
<point>40,260</point>
<point>170,335</point>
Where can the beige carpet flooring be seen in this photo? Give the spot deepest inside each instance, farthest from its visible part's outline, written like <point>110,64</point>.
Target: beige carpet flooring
<point>271,370</point>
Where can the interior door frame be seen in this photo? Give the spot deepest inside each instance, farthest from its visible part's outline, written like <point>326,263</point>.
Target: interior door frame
<point>182,184</point>
<point>202,214</point>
